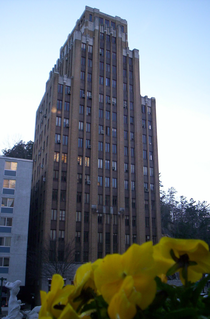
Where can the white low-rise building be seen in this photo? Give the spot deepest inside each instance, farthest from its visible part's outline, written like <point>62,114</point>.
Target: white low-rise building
<point>15,189</point>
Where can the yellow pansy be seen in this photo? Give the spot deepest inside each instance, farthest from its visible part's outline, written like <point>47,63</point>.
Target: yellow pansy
<point>137,262</point>
<point>123,304</point>
<point>56,295</point>
<point>191,253</point>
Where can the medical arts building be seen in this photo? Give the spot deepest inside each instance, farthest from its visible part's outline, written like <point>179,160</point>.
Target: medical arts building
<point>95,178</point>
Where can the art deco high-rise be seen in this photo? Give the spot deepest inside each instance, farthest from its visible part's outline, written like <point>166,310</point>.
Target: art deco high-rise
<point>95,174</point>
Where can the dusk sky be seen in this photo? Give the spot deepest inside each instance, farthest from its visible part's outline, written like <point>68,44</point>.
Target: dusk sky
<point>172,37</point>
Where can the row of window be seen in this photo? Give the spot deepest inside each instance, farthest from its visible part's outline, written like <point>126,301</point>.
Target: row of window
<point>67,89</point>
<point>61,216</point>
<point>5,241</point>
<point>7,202</point>
<point>11,166</point>
<point>9,183</point>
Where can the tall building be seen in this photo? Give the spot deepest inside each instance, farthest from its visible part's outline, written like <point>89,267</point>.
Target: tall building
<point>15,186</point>
<point>95,174</point>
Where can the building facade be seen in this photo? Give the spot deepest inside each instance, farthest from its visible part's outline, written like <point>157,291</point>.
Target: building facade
<point>95,172</point>
<point>15,185</point>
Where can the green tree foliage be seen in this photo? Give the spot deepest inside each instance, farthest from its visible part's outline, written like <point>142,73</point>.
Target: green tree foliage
<point>20,150</point>
<point>184,219</point>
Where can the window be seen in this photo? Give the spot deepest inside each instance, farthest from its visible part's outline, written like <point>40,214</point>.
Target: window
<point>151,170</point>
<point>108,68</point>
<point>106,22</point>
<point>101,98</point>
<point>101,80</point>
<point>114,148</point>
<point>100,180</point>
<point>57,138</point>
<point>101,50</point>
<point>100,163</point>
<point>77,256</point>
<point>114,84</point>
<point>126,220</point>
<point>114,201</point>
<point>134,206</point>
<point>100,199</point>
<point>53,234</point>
<point>107,81</point>
<point>87,144</point>
<point>131,106</point>
<point>126,167</point>
<point>127,239</point>
<point>115,219</point>
<point>152,187</point>
<point>90,63</point>
<point>65,139</point>
<point>114,101</point>
<point>86,236</point>
<point>114,165</point>
<point>82,75</point>
<point>101,66</point>
<point>62,215</point>
<point>89,77</point>
<point>86,217</point>
<point>66,122</point>
<point>90,17</point>
<point>107,115</point>
<point>107,162</point>
<point>87,198</point>
<point>78,216</point>
<point>56,157</point>
<point>100,218</point>
<point>114,55</point>
<point>151,156</point>
<point>78,236</point>
<point>83,46</point>
<point>59,105</point>
<point>5,221</point>
<point>127,202</point>
<point>134,238</point>
<point>125,150</point>
<point>113,26</point>
<point>79,197</point>
<point>149,125</point>
<point>144,139</point>
<point>107,200</point>
<point>83,61</point>
<point>114,182</point>
<point>108,55</point>
<point>63,176</point>
<point>132,185</point>
<point>5,241</point>
<point>114,116</point>
<point>107,182</point>
<point>80,142</point>
<point>107,130</point>
<point>125,135</point>
<point>101,20</point>
<point>9,183</point>
<point>124,87</point>
<point>88,110</point>
<point>100,146</point>
<point>101,114</point>
<point>126,184</point>
<point>55,175</point>
<point>11,166</point>
<point>4,261</point>
<point>150,140</point>
<point>125,118</point>
<point>144,154</point>
<point>63,196</point>
<point>87,127</point>
<point>60,88</point>
<point>131,88</point>
<point>66,106</point>
<point>132,168</point>
<point>131,119</point>
<point>107,147</point>
<point>132,152</point>
<point>79,160</point>
<point>81,126</point>
<point>87,161</point>
<point>90,49</point>
<point>100,238</point>
<point>114,132</point>
<point>145,170</point>
<point>132,136</point>
<point>7,202</point>
<point>81,109</point>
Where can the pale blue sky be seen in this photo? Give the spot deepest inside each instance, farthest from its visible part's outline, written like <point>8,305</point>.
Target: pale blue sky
<point>173,41</point>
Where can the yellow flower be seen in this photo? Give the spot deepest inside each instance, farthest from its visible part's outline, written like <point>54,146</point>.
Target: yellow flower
<point>123,304</point>
<point>137,262</point>
<point>56,295</point>
<point>191,253</point>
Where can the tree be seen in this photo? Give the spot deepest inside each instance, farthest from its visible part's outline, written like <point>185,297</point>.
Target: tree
<point>184,219</point>
<point>20,150</point>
